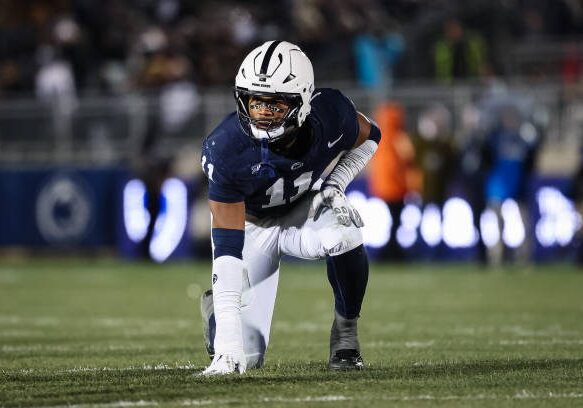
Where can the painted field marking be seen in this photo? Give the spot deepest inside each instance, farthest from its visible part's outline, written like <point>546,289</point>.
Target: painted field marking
<point>146,367</point>
<point>103,321</point>
<point>520,395</point>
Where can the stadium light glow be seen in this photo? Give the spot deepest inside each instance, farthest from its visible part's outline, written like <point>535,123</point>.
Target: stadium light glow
<point>431,230</point>
<point>376,217</point>
<point>458,224</point>
<point>513,233</point>
<point>171,225</point>
<point>410,221</point>
<point>135,215</point>
<point>559,221</point>
<point>489,228</point>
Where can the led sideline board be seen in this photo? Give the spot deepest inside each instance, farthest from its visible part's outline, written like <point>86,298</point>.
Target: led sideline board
<point>555,223</point>
<point>425,228</point>
<point>170,225</point>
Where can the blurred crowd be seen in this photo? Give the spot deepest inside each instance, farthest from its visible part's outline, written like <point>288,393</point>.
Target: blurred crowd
<point>66,46</point>
<point>62,50</point>
<point>520,176</point>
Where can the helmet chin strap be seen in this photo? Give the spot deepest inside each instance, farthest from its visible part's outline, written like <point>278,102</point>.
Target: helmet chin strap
<point>262,134</point>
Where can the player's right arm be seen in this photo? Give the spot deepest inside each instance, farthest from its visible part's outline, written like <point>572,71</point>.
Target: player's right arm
<point>227,215</point>
<point>228,236</point>
<point>361,149</point>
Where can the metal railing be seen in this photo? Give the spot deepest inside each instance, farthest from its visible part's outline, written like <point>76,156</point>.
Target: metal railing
<point>113,129</point>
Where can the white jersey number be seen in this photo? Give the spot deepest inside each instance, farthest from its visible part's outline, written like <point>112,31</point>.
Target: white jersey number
<point>209,168</point>
<point>277,192</point>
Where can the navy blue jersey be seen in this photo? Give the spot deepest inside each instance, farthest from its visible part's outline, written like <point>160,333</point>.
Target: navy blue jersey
<point>231,159</point>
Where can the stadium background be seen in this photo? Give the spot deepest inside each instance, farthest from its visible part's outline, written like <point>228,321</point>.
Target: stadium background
<point>104,104</point>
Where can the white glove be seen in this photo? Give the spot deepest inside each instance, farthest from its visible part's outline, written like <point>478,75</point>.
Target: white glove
<point>226,364</point>
<point>330,197</point>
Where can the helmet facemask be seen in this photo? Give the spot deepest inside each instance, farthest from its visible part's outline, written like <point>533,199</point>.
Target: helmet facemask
<point>276,71</point>
<point>266,128</point>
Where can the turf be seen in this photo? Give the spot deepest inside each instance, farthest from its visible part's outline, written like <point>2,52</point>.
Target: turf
<point>107,333</point>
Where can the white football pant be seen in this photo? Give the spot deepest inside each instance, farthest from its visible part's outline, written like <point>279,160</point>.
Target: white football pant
<point>295,234</point>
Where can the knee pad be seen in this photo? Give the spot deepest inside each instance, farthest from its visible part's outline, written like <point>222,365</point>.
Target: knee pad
<point>337,239</point>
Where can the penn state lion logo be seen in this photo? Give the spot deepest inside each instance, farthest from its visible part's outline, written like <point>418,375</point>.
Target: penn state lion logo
<point>64,210</point>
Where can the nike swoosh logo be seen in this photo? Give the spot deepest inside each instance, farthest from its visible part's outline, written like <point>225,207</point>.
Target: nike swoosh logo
<point>330,144</point>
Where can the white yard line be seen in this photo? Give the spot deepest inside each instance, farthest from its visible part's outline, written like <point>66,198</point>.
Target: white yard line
<point>14,349</point>
<point>400,344</point>
<point>154,325</point>
<point>22,333</point>
<point>520,395</point>
<point>145,367</point>
<point>550,331</point>
<point>551,342</point>
<point>517,330</point>
<point>103,321</point>
<point>502,342</point>
<point>9,276</point>
<point>314,327</point>
<point>82,346</point>
<point>302,327</point>
<point>33,321</point>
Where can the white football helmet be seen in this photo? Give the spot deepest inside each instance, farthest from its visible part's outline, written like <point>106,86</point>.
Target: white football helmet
<point>281,70</point>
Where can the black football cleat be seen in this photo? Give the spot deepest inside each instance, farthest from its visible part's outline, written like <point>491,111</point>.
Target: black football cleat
<point>346,360</point>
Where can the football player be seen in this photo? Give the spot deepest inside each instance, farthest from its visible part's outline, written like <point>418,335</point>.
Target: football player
<point>276,188</point>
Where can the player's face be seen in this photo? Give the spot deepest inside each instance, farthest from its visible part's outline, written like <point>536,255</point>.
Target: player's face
<point>265,110</point>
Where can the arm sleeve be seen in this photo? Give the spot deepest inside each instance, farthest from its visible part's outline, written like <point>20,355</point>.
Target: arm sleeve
<point>350,164</point>
<point>353,161</point>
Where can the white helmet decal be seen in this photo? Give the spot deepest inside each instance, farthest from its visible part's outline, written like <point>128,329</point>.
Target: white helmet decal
<point>279,69</point>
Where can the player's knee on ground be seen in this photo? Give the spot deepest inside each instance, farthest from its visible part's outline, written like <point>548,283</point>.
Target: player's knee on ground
<point>254,345</point>
<point>338,239</point>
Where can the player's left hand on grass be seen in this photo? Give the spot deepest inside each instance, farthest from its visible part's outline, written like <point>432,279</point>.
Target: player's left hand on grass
<point>226,364</point>
<point>331,197</point>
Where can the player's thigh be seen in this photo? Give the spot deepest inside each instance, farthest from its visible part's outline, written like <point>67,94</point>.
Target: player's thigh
<point>302,237</point>
<point>260,252</point>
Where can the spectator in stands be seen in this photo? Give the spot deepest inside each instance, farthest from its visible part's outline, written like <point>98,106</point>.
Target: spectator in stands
<point>12,77</point>
<point>166,75</point>
<point>459,53</point>
<point>509,139</point>
<point>474,162</point>
<point>434,152</point>
<point>571,63</point>
<point>376,53</point>
<point>96,37</point>
<point>23,27</point>
<point>392,173</point>
<point>55,81</point>
<point>61,64</point>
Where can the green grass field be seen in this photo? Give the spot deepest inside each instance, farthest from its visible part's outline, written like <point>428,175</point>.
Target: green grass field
<point>106,333</point>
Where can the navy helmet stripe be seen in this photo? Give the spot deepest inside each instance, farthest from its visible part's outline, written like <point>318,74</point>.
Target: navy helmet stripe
<point>267,57</point>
